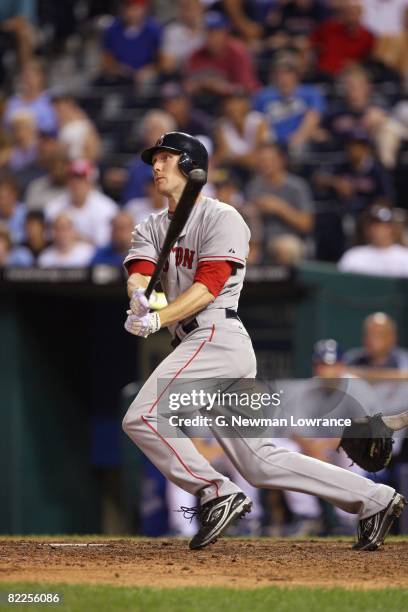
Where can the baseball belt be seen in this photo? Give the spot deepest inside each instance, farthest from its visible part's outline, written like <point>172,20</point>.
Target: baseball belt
<point>193,324</point>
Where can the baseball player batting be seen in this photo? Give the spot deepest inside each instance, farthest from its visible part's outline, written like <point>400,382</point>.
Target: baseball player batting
<point>202,281</point>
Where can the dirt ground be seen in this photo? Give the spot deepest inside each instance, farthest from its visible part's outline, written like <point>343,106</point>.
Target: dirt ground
<point>228,562</point>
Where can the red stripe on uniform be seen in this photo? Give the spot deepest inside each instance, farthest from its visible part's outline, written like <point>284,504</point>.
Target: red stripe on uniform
<point>183,368</point>
<point>210,482</point>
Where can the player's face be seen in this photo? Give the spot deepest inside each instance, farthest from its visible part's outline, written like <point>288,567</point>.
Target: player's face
<point>167,177</point>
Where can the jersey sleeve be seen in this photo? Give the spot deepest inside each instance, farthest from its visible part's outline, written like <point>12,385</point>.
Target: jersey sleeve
<point>225,238</point>
<point>143,244</point>
<point>213,274</point>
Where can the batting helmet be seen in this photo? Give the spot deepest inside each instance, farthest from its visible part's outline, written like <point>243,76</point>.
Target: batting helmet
<point>327,351</point>
<point>193,153</point>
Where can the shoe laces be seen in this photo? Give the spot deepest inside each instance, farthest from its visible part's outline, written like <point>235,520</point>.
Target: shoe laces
<point>190,513</point>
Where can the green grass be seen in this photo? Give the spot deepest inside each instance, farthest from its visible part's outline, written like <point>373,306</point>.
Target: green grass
<point>80,598</point>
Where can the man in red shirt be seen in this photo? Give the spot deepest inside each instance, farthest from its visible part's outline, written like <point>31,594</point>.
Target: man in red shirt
<point>342,40</point>
<point>222,64</point>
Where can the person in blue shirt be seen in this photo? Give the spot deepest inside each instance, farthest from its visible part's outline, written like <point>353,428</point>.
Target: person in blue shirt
<point>114,253</point>
<point>131,44</point>
<point>12,211</point>
<point>31,96</point>
<point>136,181</point>
<point>18,256</point>
<point>292,110</point>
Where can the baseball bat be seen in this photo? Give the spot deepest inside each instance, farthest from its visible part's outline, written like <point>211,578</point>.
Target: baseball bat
<point>196,180</point>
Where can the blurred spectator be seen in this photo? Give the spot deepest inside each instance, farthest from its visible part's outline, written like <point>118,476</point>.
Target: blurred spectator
<point>342,40</point>
<point>227,190</point>
<point>359,181</point>
<point>141,208</point>
<point>36,239</point>
<point>24,134</point>
<point>12,256</point>
<point>285,204</point>
<point>222,64</point>
<point>32,97</point>
<point>66,251</point>
<point>383,17</point>
<point>292,110</point>
<point>90,210</point>
<point>5,149</point>
<point>182,36</point>
<point>239,132</point>
<point>327,359</point>
<point>16,20</point>
<point>380,348</point>
<point>60,20</point>
<point>155,123</point>
<point>131,45</point>
<point>249,17</point>
<point>348,115</point>
<point>361,111</point>
<point>76,131</point>
<point>292,22</point>
<point>391,49</point>
<point>382,255</point>
<point>177,103</point>
<point>114,253</point>
<point>42,190</point>
<point>388,134</point>
<point>12,211</point>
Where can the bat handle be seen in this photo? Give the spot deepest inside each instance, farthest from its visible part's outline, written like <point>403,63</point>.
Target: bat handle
<point>150,286</point>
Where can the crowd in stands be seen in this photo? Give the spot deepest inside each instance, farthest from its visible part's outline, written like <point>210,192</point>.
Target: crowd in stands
<point>300,103</point>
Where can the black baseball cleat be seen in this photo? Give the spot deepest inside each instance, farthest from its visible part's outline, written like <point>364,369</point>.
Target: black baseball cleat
<point>216,516</point>
<point>371,531</point>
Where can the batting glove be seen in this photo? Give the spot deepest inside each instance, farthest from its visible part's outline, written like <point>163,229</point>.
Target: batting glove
<point>142,326</point>
<point>139,304</point>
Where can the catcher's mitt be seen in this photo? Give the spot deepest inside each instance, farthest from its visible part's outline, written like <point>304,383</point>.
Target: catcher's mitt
<point>368,443</point>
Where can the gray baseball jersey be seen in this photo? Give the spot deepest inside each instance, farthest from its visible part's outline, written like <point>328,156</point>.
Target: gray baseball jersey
<point>214,232</point>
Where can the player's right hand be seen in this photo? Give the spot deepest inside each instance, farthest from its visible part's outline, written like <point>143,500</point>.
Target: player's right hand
<point>139,305</point>
<point>142,326</point>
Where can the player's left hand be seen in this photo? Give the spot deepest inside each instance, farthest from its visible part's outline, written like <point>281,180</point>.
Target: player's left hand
<point>142,326</point>
<point>139,304</point>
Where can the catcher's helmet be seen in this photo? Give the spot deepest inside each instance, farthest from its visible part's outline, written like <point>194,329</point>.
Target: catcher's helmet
<point>327,351</point>
<point>193,153</point>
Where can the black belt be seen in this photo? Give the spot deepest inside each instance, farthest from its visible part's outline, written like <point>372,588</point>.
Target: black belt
<point>193,324</point>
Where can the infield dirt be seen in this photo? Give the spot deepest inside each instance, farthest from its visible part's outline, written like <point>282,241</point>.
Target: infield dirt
<point>241,563</point>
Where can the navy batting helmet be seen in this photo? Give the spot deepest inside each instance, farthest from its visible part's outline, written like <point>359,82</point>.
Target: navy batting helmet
<point>327,351</point>
<point>193,153</point>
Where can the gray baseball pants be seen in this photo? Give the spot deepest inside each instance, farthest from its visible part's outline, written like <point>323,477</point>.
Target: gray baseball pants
<point>222,349</point>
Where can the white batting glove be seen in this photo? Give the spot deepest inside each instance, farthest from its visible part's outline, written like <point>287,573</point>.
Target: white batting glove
<point>142,326</point>
<point>139,304</point>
